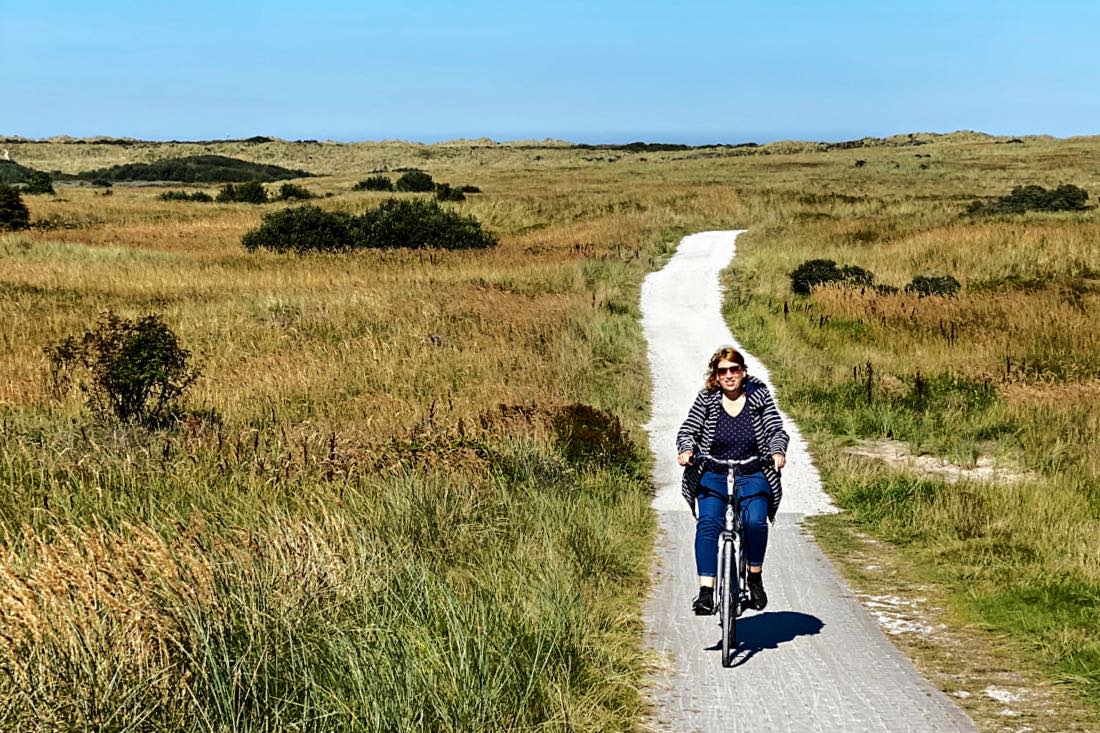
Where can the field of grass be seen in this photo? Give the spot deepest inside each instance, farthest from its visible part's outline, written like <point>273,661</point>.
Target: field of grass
<point>374,516</point>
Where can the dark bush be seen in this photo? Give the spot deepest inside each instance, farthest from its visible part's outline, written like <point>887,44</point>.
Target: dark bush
<point>396,223</point>
<point>812,273</point>
<point>199,196</point>
<point>444,192</point>
<point>925,285</point>
<point>251,192</point>
<point>587,435</point>
<point>1033,198</point>
<point>13,212</point>
<point>374,183</point>
<point>100,183</point>
<point>469,188</point>
<point>302,229</point>
<point>420,224</point>
<point>136,370</point>
<point>883,289</point>
<point>294,192</point>
<point>40,182</point>
<point>415,182</point>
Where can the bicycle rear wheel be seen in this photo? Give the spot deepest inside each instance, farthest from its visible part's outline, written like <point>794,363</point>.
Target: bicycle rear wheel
<point>728,603</point>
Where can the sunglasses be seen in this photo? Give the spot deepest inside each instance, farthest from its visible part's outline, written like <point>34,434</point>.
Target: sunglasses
<point>735,369</point>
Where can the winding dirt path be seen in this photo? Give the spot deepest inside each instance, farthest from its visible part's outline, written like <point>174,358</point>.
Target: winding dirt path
<point>814,660</point>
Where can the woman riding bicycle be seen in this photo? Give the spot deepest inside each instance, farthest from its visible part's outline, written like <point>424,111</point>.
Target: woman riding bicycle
<point>733,417</point>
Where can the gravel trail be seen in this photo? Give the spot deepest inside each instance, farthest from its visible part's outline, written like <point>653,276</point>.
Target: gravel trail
<point>814,660</point>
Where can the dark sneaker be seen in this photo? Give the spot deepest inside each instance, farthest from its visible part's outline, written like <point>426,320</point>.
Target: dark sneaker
<point>704,602</point>
<point>758,599</point>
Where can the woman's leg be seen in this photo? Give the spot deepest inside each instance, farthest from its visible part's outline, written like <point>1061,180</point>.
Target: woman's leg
<point>712,518</point>
<point>754,492</point>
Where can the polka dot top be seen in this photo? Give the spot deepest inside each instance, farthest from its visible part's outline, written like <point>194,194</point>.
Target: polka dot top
<point>734,438</point>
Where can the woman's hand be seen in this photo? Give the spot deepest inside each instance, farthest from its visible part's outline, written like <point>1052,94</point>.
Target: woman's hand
<point>685,457</point>
<point>780,460</point>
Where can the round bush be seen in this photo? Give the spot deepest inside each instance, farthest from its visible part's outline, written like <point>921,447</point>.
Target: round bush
<point>415,182</point>
<point>420,224</point>
<point>813,273</point>
<point>925,285</point>
<point>250,192</point>
<point>13,212</point>
<point>302,229</point>
<point>374,183</point>
<point>444,192</point>
<point>40,182</point>
<point>294,192</point>
<point>136,369</point>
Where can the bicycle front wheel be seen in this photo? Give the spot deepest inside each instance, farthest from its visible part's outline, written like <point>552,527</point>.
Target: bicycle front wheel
<point>728,603</point>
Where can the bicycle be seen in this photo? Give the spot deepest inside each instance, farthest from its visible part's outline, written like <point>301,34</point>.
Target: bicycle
<point>733,593</point>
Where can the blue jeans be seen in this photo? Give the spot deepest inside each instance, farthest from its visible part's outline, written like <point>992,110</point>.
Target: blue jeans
<point>755,495</point>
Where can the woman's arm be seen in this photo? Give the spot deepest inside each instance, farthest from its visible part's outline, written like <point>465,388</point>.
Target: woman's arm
<point>688,436</point>
<point>774,434</point>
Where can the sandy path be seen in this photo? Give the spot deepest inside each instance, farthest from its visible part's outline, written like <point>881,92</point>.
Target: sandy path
<point>814,660</point>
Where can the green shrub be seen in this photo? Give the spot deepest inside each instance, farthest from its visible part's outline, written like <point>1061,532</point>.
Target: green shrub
<point>250,192</point>
<point>374,183</point>
<point>199,196</point>
<point>396,223</point>
<point>420,224</point>
<point>415,182</point>
<point>13,212</point>
<point>469,188</point>
<point>294,192</point>
<point>1033,198</point>
<point>40,182</point>
<point>925,285</point>
<point>136,370</point>
<point>444,192</point>
<point>813,273</point>
<point>302,229</point>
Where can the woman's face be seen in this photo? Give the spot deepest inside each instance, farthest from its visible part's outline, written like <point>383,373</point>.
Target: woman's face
<point>730,375</point>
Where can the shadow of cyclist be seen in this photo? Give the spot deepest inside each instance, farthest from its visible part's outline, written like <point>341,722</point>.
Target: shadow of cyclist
<point>768,630</point>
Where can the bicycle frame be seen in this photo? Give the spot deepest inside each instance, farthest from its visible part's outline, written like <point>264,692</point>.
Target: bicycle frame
<point>732,561</point>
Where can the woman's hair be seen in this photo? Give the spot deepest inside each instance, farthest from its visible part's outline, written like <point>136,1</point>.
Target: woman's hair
<point>726,353</point>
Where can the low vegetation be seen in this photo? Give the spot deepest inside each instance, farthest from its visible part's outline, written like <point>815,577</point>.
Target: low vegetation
<point>414,182</point>
<point>374,183</point>
<point>251,192</point>
<point>394,224</point>
<point>817,272</point>
<point>194,169</point>
<point>1066,197</point>
<point>195,196</point>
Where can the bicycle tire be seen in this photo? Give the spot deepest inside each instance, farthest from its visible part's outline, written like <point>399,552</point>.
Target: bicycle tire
<point>728,604</point>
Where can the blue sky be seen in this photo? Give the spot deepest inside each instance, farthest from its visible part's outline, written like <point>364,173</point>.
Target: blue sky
<point>611,71</point>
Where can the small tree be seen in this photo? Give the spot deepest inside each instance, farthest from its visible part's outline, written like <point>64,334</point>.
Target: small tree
<point>14,214</point>
<point>415,182</point>
<point>40,182</point>
<point>374,183</point>
<point>136,370</point>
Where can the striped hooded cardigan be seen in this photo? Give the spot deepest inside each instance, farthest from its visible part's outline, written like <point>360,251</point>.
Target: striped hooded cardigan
<point>697,435</point>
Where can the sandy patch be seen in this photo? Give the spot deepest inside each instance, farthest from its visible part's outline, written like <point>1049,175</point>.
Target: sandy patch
<point>899,455</point>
